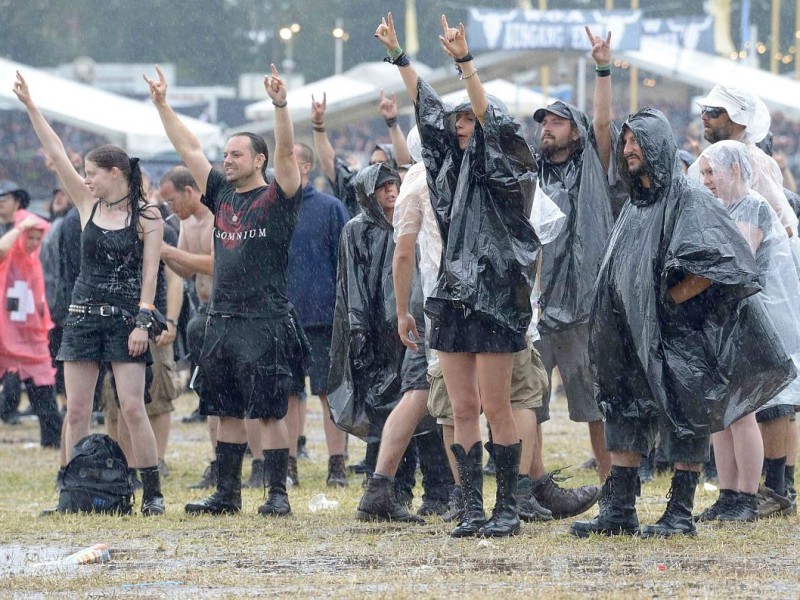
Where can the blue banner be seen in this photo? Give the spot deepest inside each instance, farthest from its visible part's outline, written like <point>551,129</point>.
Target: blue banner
<point>691,33</point>
<point>490,29</point>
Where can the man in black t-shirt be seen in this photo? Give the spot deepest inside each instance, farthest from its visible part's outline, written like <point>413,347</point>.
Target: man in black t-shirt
<point>251,337</point>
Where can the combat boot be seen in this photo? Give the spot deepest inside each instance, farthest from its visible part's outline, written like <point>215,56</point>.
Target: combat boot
<point>725,500</point>
<point>337,475</point>
<point>564,502</point>
<point>744,508</point>
<point>152,498</point>
<point>455,507</point>
<point>470,471</point>
<point>209,478</point>
<point>528,507</point>
<point>617,506</point>
<point>380,504</point>
<point>256,474</point>
<point>677,518</point>
<point>228,497</point>
<point>504,521</point>
<point>276,464</point>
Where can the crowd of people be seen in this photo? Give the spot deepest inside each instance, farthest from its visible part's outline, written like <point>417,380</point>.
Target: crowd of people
<point>445,280</point>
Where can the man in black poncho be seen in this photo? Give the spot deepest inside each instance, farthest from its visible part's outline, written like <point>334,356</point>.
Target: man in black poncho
<point>573,159</point>
<point>670,314</point>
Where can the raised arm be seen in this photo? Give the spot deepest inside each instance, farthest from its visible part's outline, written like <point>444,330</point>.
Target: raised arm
<point>387,35</point>
<point>54,149</point>
<point>601,122</point>
<point>287,173</point>
<point>184,141</point>
<point>186,263</point>
<point>388,110</point>
<point>12,235</point>
<point>454,42</point>
<point>322,144</point>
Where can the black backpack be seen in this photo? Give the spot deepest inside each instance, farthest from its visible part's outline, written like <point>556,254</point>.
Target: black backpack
<point>97,478</point>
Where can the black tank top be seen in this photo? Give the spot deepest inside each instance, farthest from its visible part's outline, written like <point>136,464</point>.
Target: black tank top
<point>111,266</point>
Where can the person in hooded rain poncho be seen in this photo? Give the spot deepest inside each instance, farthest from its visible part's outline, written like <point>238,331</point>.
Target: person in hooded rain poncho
<point>340,175</point>
<point>573,161</point>
<point>25,322</point>
<point>739,450</point>
<point>481,178</point>
<point>671,330</point>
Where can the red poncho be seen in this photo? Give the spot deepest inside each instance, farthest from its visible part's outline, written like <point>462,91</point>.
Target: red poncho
<point>24,315</point>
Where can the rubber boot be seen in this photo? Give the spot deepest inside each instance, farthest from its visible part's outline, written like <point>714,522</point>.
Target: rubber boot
<point>617,506</point>
<point>276,464</point>
<point>380,504</point>
<point>256,474</point>
<point>504,520</point>
<point>228,497</point>
<point>152,498</point>
<point>564,502</point>
<point>470,470</point>
<point>337,474</point>
<point>677,518</point>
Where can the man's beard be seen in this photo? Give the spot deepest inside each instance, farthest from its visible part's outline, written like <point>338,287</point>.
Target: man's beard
<point>554,147</point>
<point>715,134</point>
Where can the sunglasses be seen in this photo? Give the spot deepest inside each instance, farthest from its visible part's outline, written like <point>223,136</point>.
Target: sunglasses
<point>711,112</point>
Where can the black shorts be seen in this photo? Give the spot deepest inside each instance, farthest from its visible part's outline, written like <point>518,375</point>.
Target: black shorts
<point>246,363</point>
<point>774,412</point>
<point>320,339</point>
<point>639,435</point>
<point>454,331</point>
<point>92,338</point>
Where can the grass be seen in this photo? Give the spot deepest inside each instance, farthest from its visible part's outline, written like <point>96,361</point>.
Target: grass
<point>329,553</point>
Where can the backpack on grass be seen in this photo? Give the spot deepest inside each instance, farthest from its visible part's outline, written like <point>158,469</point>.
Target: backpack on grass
<point>97,478</point>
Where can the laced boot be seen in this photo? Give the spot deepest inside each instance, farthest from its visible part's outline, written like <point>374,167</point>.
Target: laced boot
<point>564,502</point>
<point>228,496</point>
<point>725,500</point>
<point>256,474</point>
<point>292,473</point>
<point>743,508</point>
<point>455,507</point>
<point>276,464</point>
<point>152,498</point>
<point>617,506</point>
<point>380,504</point>
<point>209,478</point>
<point>504,520</point>
<point>677,518</point>
<point>337,475</point>
<point>470,470</point>
<point>528,507</point>
<point>770,503</point>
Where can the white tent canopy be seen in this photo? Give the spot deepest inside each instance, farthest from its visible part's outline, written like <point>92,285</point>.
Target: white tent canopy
<point>131,124</point>
<point>520,101</point>
<point>705,70</point>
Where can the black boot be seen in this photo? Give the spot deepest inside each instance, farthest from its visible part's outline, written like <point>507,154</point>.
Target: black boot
<point>367,465</point>
<point>208,480</point>
<point>228,497</point>
<point>725,500</point>
<point>677,518</point>
<point>470,470</point>
<point>337,475</point>
<point>504,520</point>
<point>152,498</point>
<point>743,508</point>
<point>617,506</point>
<point>256,474</point>
<point>276,464</point>
<point>528,507</point>
<point>455,507</point>
<point>292,473</point>
<point>564,502</point>
<point>380,504</point>
<point>43,403</point>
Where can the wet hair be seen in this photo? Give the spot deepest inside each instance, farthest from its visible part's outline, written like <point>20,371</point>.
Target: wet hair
<point>179,177</point>
<point>109,156</point>
<point>306,153</point>
<point>258,146</point>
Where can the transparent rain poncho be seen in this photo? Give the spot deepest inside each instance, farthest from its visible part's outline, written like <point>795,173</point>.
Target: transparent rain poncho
<point>725,170</point>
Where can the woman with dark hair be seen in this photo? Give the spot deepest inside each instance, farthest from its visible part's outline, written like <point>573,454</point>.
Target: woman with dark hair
<point>112,302</point>
<point>481,178</point>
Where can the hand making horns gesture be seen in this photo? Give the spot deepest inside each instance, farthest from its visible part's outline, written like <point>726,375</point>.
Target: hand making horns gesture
<point>453,39</point>
<point>276,88</point>
<point>601,48</point>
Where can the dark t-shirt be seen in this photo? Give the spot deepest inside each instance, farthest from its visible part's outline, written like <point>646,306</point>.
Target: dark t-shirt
<point>252,233</point>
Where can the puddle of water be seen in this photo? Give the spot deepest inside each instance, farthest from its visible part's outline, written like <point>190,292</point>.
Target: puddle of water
<point>18,560</point>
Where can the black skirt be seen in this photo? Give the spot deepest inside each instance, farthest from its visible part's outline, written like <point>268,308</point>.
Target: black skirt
<point>455,331</point>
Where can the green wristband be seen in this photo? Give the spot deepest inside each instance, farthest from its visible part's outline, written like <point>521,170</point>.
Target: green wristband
<point>393,54</point>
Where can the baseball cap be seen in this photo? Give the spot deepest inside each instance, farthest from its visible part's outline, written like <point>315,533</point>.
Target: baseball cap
<point>8,187</point>
<point>387,173</point>
<point>557,108</point>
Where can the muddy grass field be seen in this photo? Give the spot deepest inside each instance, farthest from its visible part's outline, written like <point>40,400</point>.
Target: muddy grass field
<point>330,554</point>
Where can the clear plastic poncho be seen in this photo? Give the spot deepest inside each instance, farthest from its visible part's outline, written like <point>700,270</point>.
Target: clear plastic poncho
<point>725,170</point>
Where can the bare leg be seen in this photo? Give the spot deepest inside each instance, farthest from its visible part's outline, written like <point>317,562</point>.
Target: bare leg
<point>494,381</point>
<point>525,420</point>
<point>80,379</point>
<point>302,410</point>
<point>293,423</point>
<point>130,382</point>
<point>537,470</point>
<point>448,434</point>
<point>749,451</point>
<point>791,445</point>
<point>725,459</point>
<point>460,377</point>
<point>335,438</point>
<point>213,428</point>
<point>626,458</point>
<point>232,431</point>
<point>276,434</point>
<point>776,437</point>
<point>161,426</point>
<point>399,429</point>
<point>255,437</point>
<point>598,438</point>
<point>123,438</point>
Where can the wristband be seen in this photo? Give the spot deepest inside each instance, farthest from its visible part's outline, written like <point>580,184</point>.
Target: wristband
<point>462,76</point>
<point>317,123</point>
<point>603,73</point>
<point>144,319</point>
<point>146,306</point>
<point>400,61</point>
<point>391,122</point>
<point>319,129</point>
<point>603,67</point>
<point>285,102</point>
<point>466,58</point>
<point>394,54</point>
